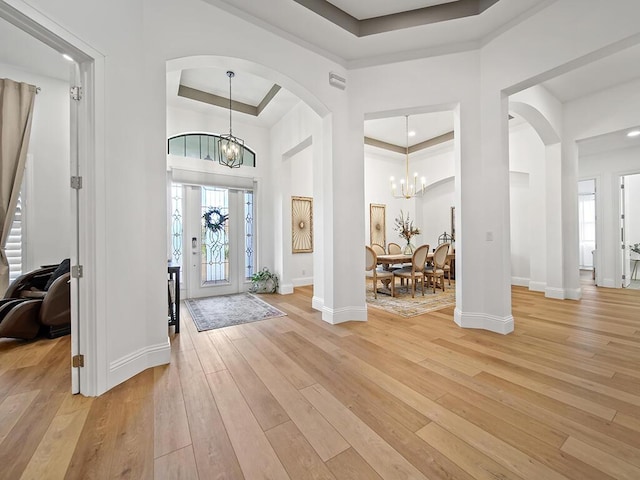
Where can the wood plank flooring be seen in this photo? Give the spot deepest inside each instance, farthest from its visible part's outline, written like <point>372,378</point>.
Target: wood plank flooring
<point>392,398</point>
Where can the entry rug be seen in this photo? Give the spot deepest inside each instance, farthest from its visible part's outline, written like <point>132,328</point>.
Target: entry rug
<point>405,306</point>
<point>226,310</point>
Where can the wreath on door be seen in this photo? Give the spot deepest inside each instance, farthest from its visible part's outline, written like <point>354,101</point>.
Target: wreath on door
<point>214,219</point>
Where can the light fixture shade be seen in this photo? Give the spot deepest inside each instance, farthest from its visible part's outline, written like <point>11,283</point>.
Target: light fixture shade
<point>230,148</point>
<point>230,151</point>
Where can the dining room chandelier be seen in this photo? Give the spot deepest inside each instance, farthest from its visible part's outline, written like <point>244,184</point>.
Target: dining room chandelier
<point>407,190</point>
<point>230,148</point>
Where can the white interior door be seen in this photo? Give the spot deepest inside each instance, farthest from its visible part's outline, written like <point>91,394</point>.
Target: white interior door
<point>626,261</point>
<point>77,133</point>
<point>219,262</point>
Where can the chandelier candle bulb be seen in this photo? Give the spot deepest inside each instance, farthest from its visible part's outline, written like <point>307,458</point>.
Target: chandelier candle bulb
<point>406,189</point>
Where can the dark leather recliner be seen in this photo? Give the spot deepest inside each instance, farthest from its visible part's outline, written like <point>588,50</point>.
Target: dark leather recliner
<point>38,301</point>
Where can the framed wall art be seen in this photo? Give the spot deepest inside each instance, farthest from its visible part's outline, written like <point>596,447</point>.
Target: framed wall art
<point>302,224</point>
<point>377,224</point>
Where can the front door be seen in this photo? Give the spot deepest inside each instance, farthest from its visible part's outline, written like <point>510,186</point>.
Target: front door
<point>219,237</point>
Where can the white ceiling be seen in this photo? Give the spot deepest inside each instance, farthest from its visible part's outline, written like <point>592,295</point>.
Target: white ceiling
<point>23,52</point>
<point>393,130</point>
<point>289,18</point>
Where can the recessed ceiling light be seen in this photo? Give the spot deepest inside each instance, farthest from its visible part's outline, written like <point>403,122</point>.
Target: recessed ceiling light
<point>67,57</point>
<point>633,133</point>
<point>412,133</point>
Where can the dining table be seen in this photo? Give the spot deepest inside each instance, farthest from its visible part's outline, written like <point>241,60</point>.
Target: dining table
<point>387,260</point>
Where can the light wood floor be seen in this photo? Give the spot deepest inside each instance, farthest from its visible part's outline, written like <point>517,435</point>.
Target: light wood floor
<point>393,398</point>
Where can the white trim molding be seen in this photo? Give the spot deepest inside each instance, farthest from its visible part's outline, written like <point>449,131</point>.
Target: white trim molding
<point>537,286</point>
<point>520,281</point>
<point>345,314</point>
<point>138,361</point>
<point>285,289</point>
<point>302,281</point>
<point>553,292</point>
<point>484,321</point>
<point>317,303</point>
<point>573,294</point>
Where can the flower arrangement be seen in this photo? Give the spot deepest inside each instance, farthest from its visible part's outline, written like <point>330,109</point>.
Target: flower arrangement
<point>635,248</point>
<point>405,228</point>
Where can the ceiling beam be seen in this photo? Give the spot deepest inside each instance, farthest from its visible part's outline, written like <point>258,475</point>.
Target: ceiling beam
<point>396,21</point>
<point>432,142</point>
<point>223,102</point>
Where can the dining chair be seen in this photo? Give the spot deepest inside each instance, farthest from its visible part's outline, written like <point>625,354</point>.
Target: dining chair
<point>447,265</point>
<point>372,272</point>
<point>378,249</point>
<point>436,270</point>
<point>416,272</point>
<point>394,249</point>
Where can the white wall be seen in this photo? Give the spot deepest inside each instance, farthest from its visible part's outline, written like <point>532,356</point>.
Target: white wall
<point>47,203</point>
<point>430,212</point>
<point>301,186</point>
<point>528,207</point>
<point>632,210</point>
<point>132,131</point>
<point>607,168</point>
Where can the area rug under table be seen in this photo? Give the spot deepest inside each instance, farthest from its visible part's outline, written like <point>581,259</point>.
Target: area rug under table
<point>405,306</point>
<point>226,310</point>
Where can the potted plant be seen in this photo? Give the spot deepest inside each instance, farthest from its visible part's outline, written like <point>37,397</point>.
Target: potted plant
<point>264,281</point>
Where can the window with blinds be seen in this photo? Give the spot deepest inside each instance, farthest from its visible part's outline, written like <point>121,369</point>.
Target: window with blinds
<point>14,243</point>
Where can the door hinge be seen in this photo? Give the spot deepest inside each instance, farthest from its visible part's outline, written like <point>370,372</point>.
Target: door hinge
<point>77,361</point>
<point>76,93</point>
<point>76,183</point>
<point>76,271</point>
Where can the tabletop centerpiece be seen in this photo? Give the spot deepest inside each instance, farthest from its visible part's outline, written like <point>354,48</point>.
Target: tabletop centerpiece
<point>404,227</point>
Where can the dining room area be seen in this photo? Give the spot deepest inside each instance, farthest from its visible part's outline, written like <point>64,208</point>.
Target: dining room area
<point>410,216</point>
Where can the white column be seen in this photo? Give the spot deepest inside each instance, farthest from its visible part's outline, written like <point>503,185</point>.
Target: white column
<point>484,217</point>
<point>343,204</point>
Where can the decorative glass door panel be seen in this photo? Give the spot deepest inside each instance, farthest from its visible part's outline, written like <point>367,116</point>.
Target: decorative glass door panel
<point>220,235</point>
<point>215,240</point>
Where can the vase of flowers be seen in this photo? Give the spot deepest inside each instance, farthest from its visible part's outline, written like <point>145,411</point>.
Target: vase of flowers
<point>404,227</point>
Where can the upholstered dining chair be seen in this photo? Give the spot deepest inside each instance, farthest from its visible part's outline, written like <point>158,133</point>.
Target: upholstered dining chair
<point>372,272</point>
<point>379,249</point>
<point>394,249</point>
<point>436,271</point>
<point>447,263</point>
<point>416,271</point>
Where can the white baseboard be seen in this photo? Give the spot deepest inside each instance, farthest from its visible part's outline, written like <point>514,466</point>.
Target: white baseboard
<point>537,286</point>
<point>345,314</point>
<point>553,292</point>
<point>126,367</point>
<point>317,303</point>
<point>285,289</point>
<point>573,293</point>
<point>484,321</point>
<point>302,281</point>
<point>520,281</point>
<point>608,283</point>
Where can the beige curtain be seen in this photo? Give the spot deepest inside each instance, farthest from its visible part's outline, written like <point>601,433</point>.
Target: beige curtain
<point>16,111</point>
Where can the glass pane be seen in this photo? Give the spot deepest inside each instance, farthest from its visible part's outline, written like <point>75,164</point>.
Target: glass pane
<point>193,146</point>
<point>215,244</point>
<point>249,237</point>
<point>176,223</point>
<point>249,158</point>
<point>177,146</point>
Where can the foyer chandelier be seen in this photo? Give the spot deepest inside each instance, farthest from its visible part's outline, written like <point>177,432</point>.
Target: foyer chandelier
<point>407,190</point>
<point>230,148</point>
